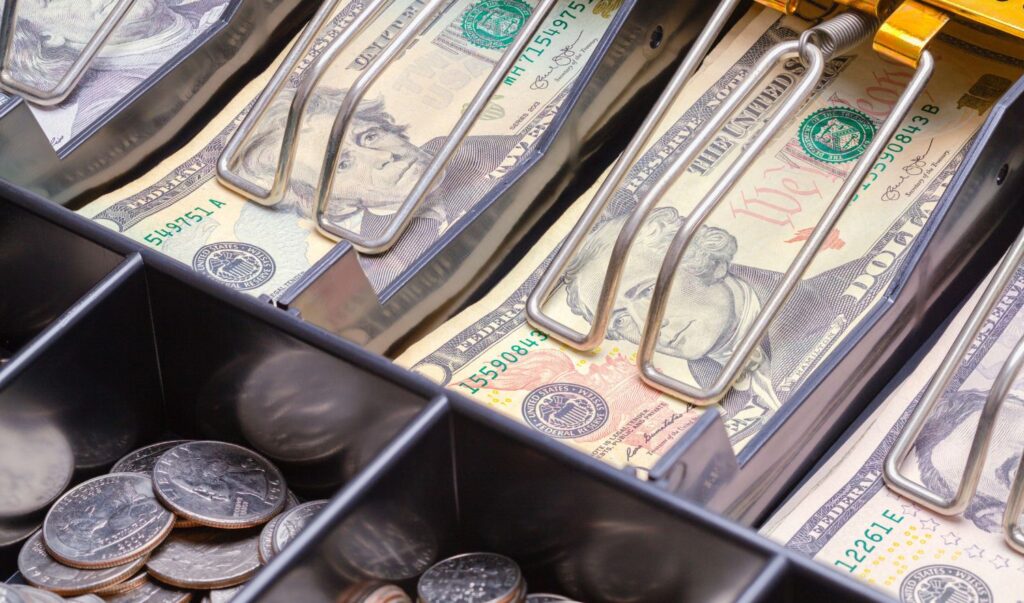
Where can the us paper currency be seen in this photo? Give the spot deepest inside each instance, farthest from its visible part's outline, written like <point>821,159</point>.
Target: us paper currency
<point>847,518</point>
<point>49,35</point>
<point>182,210</point>
<point>596,401</point>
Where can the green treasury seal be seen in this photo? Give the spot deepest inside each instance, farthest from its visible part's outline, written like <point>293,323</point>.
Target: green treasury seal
<point>836,134</point>
<point>493,24</point>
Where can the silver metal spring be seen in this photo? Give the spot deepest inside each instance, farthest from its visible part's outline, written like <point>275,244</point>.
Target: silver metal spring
<point>840,33</point>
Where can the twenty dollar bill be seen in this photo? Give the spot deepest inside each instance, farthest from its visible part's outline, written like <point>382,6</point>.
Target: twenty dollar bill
<point>181,209</point>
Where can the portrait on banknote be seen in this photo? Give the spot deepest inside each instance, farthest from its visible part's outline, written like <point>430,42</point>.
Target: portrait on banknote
<point>378,168</point>
<point>939,454</point>
<point>711,310</point>
<point>50,35</point>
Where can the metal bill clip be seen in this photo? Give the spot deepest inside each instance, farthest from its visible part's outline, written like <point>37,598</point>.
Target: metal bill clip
<point>229,158</point>
<point>814,48</point>
<point>997,396</point>
<point>63,88</point>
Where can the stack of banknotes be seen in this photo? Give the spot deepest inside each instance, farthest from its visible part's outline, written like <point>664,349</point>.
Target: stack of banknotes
<point>846,517</point>
<point>50,35</point>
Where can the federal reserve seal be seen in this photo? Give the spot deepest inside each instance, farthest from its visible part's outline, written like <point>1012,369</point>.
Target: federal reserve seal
<point>493,24</point>
<point>933,583</point>
<point>238,265</point>
<point>836,134</point>
<point>565,410</point>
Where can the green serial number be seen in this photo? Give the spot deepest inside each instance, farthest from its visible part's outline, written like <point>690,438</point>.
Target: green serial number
<point>873,535</point>
<point>181,224</point>
<point>499,364</point>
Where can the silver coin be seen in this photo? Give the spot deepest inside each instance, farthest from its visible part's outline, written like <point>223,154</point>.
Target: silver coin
<point>386,543</point>
<point>471,578</point>
<point>152,592</point>
<point>13,531</point>
<point>31,594</point>
<point>223,595</point>
<point>266,546</point>
<point>546,598</point>
<point>293,501</point>
<point>205,558</point>
<point>106,521</point>
<point>294,521</point>
<point>40,569</point>
<point>143,459</point>
<point>373,592</point>
<point>219,485</point>
<point>8,594</point>
<point>88,598</point>
<point>36,464</point>
<point>122,587</point>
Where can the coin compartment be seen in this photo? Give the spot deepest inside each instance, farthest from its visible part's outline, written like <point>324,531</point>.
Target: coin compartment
<point>152,351</point>
<point>970,228</point>
<point>164,111</point>
<point>471,481</point>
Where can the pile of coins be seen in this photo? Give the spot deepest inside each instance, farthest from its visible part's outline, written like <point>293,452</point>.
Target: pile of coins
<point>171,521</point>
<point>468,578</point>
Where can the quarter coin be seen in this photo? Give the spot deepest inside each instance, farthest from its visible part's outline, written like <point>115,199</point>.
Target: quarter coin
<point>89,598</point>
<point>13,531</point>
<point>203,558</point>
<point>373,592</point>
<point>472,578</point>
<point>294,521</point>
<point>106,521</point>
<point>143,459</point>
<point>219,485</point>
<point>152,592</point>
<point>8,594</point>
<point>36,464</point>
<point>122,587</point>
<point>30,594</point>
<point>223,595</point>
<point>40,569</point>
<point>266,546</point>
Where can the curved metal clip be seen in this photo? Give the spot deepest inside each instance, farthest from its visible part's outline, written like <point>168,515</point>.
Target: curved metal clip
<point>997,395</point>
<point>332,157</point>
<point>841,32</point>
<point>63,88</point>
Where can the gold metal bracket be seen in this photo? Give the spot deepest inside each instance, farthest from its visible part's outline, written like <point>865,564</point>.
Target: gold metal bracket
<point>908,30</point>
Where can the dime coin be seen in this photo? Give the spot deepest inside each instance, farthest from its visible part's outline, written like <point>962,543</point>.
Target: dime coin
<point>373,592</point>
<point>472,578</point>
<point>266,547</point>
<point>220,485</point>
<point>294,521</point>
<point>106,521</point>
<point>8,594</point>
<point>143,459</point>
<point>40,569</point>
<point>293,501</point>
<point>545,598</point>
<point>30,594</point>
<point>36,463</point>
<point>203,558</point>
<point>122,587</point>
<point>152,592</point>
